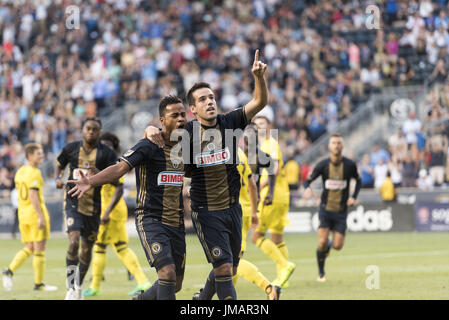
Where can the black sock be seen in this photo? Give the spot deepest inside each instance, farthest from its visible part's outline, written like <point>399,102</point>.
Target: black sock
<point>71,263</point>
<point>151,293</point>
<point>329,246</point>
<point>321,257</point>
<point>225,288</point>
<point>83,267</point>
<point>166,289</point>
<point>209,288</point>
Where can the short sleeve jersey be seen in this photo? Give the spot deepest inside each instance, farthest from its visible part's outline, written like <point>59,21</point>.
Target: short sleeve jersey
<point>215,181</point>
<point>79,160</point>
<point>26,179</point>
<point>159,178</point>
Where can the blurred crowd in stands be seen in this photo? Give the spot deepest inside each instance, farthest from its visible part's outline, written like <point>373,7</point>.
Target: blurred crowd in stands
<point>323,63</point>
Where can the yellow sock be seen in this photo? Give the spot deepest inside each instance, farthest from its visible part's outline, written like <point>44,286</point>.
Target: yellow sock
<point>283,249</point>
<point>19,259</point>
<point>235,278</point>
<point>98,265</point>
<point>130,261</point>
<point>271,250</point>
<point>39,266</point>
<point>249,271</point>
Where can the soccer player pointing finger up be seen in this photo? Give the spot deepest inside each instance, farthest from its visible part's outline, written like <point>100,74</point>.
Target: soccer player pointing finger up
<point>215,185</point>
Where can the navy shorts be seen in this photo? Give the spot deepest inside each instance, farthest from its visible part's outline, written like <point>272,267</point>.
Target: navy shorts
<point>220,234</point>
<point>163,244</point>
<point>86,225</point>
<point>333,220</point>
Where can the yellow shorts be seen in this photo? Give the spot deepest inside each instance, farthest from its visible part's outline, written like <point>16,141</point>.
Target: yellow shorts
<point>113,232</point>
<point>31,233</point>
<point>273,218</point>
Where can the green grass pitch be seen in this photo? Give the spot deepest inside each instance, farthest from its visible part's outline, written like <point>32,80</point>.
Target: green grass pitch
<point>410,266</point>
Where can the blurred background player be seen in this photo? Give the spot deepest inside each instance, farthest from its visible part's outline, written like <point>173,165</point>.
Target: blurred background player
<point>274,203</point>
<point>82,216</point>
<point>34,221</point>
<point>336,172</point>
<point>159,212</point>
<point>248,200</point>
<point>112,231</point>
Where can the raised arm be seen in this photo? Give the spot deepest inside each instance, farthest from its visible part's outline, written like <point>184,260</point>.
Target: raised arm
<point>108,175</point>
<point>260,95</point>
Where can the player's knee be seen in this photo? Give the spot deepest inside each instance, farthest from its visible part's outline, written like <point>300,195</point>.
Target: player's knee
<point>86,252</point>
<point>178,284</point>
<point>224,269</point>
<point>74,245</point>
<point>168,272</point>
<point>322,243</point>
<point>337,246</point>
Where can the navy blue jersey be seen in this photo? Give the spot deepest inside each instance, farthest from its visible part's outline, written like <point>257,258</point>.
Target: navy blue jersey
<point>336,178</point>
<point>213,163</point>
<point>159,178</point>
<point>79,160</point>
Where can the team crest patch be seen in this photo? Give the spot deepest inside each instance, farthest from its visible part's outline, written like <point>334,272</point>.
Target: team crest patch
<point>70,221</point>
<point>216,252</point>
<point>156,247</point>
<point>128,153</point>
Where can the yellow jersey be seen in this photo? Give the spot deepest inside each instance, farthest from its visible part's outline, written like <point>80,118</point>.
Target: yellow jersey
<point>387,191</point>
<point>27,178</point>
<point>120,211</point>
<point>292,171</point>
<point>281,190</point>
<point>245,172</point>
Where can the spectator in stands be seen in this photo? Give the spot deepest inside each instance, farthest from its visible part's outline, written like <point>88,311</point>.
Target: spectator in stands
<point>424,181</point>
<point>411,127</point>
<point>439,74</point>
<point>395,169</point>
<point>409,169</point>
<point>377,154</point>
<point>437,165</point>
<point>316,123</point>
<point>387,189</point>
<point>367,172</point>
<point>397,145</point>
<point>380,173</point>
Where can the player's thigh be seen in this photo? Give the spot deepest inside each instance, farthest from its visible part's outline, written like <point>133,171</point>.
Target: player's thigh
<point>265,217</point>
<point>162,245</point>
<point>279,221</point>
<point>338,240</point>
<point>212,229</point>
<point>25,232</point>
<point>89,232</point>
<point>323,236</point>
<point>178,248</point>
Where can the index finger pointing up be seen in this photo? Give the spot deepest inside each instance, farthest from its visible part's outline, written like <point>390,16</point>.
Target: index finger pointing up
<point>256,55</point>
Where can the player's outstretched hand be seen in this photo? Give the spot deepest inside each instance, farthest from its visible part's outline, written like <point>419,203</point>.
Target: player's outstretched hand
<point>154,135</point>
<point>350,202</point>
<point>259,67</point>
<point>308,193</point>
<point>81,186</point>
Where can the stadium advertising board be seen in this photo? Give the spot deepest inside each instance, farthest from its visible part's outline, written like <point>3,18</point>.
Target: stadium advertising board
<point>432,217</point>
<point>361,218</point>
